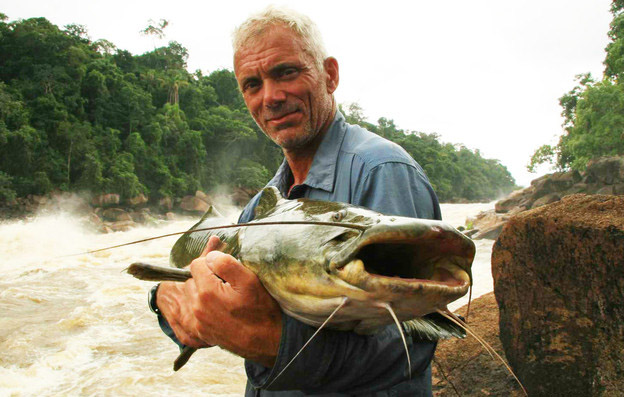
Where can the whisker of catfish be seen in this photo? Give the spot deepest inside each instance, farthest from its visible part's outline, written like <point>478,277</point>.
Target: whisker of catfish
<point>396,321</point>
<point>452,317</point>
<point>336,224</point>
<point>344,302</point>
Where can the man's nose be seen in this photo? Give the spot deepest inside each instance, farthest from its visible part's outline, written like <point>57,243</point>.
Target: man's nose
<point>274,95</point>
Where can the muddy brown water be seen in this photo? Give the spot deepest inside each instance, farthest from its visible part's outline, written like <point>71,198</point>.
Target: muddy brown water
<point>79,326</point>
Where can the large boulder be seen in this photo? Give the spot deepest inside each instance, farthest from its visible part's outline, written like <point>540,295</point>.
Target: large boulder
<point>488,225</point>
<point>463,367</point>
<point>105,199</point>
<point>194,204</point>
<point>165,204</point>
<point>559,282</point>
<point>138,200</point>
<point>514,200</point>
<point>605,170</point>
<point>116,215</point>
<point>554,183</point>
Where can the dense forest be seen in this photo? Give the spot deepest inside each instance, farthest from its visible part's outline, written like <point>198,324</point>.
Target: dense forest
<point>593,111</point>
<point>83,115</point>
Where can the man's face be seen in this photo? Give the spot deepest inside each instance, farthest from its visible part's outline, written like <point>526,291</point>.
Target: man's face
<point>289,98</point>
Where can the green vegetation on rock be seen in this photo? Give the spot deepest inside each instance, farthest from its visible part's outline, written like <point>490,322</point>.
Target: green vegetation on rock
<point>82,115</point>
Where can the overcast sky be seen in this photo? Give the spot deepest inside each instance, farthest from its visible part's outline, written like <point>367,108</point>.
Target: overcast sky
<point>486,74</point>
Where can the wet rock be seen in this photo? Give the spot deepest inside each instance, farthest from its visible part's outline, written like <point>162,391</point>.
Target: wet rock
<point>490,233</point>
<point>606,170</point>
<point>605,190</point>
<point>513,200</point>
<point>142,216</point>
<point>115,214</point>
<point>577,188</point>
<point>194,204</point>
<point>105,200</point>
<point>547,199</point>
<point>165,203</point>
<point>462,367</point>
<point>121,226</point>
<point>558,279</point>
<point>471,232</point>
<point>38,200</point>
<point>170,216</point>
<point>202,196</point>
<point>138,200</point>
<point>487,223</point>
<point>618,189</point>
<point>241,196</point>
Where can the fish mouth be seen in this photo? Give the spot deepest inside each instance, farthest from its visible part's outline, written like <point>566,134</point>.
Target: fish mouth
<point>406,262</point>
<point>386,263</point>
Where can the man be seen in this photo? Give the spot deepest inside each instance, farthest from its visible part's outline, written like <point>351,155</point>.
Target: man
<point>287,83</point>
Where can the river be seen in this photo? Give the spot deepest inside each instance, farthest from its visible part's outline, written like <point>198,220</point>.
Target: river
<point>79,326</point>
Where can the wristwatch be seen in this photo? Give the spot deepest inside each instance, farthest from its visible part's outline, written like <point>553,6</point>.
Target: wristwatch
<point>151,300</point>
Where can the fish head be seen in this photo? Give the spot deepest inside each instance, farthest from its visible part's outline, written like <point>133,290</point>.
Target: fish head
<point>339,250</point>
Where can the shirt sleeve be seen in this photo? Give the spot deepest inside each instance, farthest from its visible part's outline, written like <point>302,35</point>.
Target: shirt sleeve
<point>338,361</point>
<point>396,188</point>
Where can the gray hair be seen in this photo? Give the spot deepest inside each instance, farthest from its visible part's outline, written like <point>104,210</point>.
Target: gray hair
<point>300,24</point>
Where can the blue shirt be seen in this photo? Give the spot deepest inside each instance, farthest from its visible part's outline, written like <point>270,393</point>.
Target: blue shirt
<point>351,165</point>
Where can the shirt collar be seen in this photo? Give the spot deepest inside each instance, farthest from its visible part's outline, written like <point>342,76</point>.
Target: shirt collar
<point>322,174</point>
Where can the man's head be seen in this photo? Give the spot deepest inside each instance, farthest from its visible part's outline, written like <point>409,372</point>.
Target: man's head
<point>286,80</point>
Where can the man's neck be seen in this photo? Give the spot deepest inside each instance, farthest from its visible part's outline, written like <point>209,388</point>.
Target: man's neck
<point>300,160</point>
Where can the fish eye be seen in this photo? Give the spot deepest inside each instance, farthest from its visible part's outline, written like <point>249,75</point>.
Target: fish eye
<point>338,216</point>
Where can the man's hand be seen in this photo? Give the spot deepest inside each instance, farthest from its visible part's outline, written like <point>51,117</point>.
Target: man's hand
<point>223,304</point>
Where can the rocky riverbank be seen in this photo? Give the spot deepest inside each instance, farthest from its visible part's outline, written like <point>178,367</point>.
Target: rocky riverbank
<point>603,176</point>
<point>109,213</point>
<point>463,367</point>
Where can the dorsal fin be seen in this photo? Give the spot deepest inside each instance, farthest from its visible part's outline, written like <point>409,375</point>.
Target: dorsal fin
<point>211,212</point>
<point>269,198</point>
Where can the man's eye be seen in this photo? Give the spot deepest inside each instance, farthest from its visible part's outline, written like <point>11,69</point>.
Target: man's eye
<point>340,215</point>
<point>288,72</point>
<point>251,85</point>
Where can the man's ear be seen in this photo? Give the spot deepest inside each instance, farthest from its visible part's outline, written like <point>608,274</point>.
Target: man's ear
<point>331,74</point>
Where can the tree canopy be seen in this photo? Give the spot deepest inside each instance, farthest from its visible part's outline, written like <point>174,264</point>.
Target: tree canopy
<point>593,111</point>
<point>83,115</point>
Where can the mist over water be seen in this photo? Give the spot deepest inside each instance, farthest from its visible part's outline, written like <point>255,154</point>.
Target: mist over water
<point>80,326</point>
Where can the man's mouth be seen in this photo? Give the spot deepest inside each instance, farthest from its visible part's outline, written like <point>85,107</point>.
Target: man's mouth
<point>281,117</point>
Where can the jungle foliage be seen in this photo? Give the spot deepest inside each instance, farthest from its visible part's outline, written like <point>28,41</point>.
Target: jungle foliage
<point>593,111</point>
<point>83,115</point>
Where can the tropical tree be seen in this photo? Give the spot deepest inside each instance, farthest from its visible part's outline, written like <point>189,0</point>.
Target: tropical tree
<point>593,111</point>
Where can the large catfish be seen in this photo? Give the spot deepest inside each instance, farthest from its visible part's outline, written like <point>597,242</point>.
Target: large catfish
<point>315,256</point>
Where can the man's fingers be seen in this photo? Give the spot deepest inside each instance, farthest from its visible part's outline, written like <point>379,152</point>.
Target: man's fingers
<point>206,281</point>
<point>230,270</point>
<point>213,244</point>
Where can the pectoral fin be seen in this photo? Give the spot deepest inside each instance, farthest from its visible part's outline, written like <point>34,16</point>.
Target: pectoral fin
<point>183,358</point>
<point>433,327</point>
